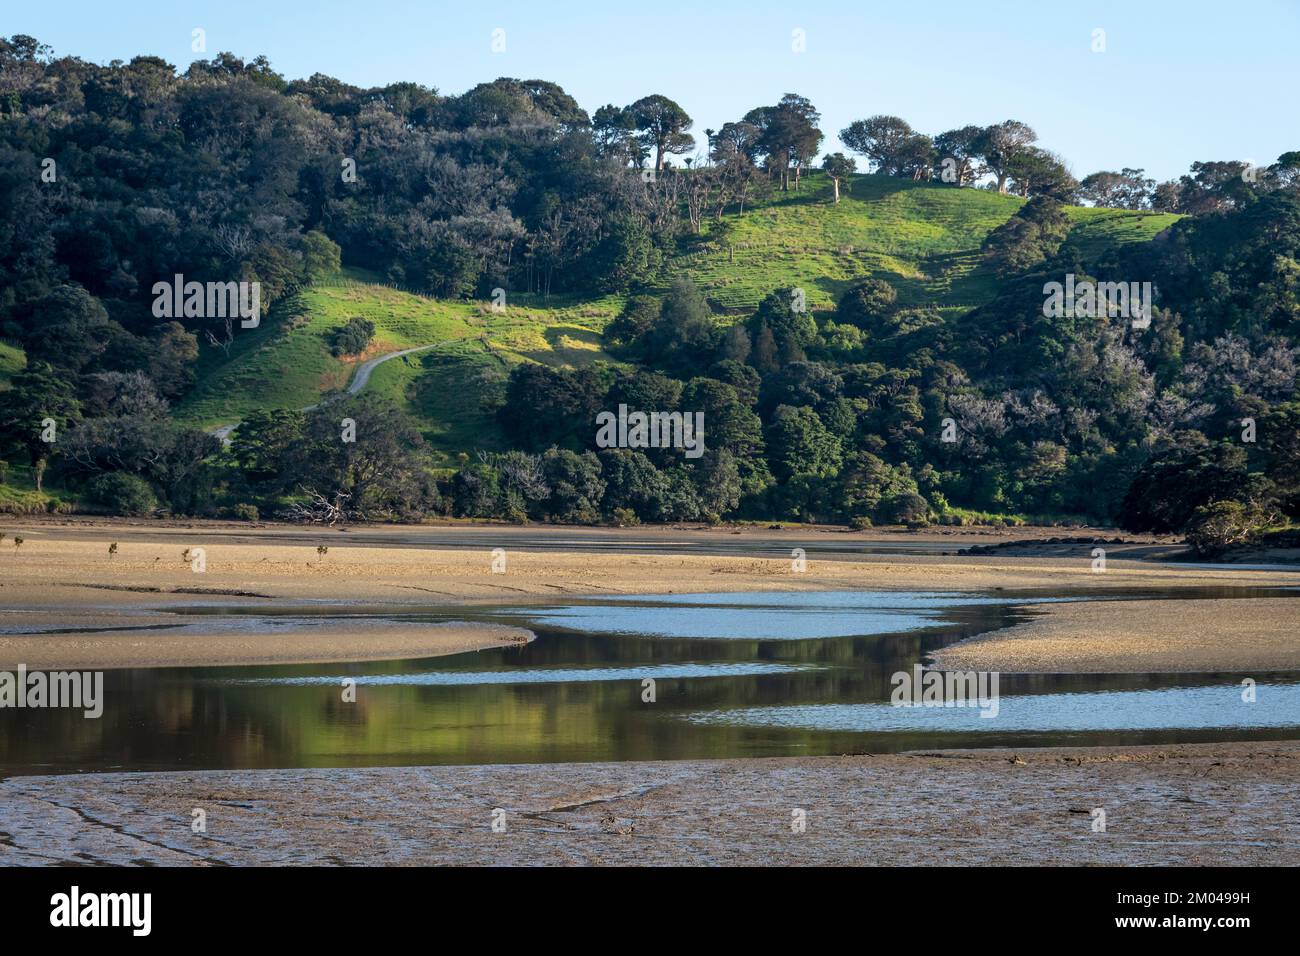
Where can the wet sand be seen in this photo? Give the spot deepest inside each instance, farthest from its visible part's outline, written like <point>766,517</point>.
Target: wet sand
<point>1202,804</point>
<point>63,579</point>
<point>1238,635</point>
<point>200,646</point>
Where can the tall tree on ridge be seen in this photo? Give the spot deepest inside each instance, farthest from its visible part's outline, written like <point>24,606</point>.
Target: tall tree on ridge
<point>663,126</point>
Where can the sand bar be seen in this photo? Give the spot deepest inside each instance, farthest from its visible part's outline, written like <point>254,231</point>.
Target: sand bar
<point>201,647</point>
<point>1123,637</point>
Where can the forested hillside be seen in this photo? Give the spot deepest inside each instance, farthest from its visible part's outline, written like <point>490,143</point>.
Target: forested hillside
<point>864,344</point>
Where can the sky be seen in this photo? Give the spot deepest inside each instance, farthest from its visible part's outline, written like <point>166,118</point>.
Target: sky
<point>1178,80</point>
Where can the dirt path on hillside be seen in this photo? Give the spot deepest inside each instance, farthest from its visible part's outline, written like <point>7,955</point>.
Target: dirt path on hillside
<point>360,378</point>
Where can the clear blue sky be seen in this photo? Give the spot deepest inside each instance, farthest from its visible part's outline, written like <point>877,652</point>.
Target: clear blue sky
<point>1179,81</point>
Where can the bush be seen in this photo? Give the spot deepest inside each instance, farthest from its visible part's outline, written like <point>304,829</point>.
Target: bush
<point>625,518</point>
<point>352,338</point>
<point>122,493</point>
<point>906,509</point>
<point>1221,525</point>
<point>859,522</point>
<point>244,512</point>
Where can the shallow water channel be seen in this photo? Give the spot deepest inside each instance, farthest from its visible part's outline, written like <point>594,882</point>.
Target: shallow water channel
<point>734,675</point>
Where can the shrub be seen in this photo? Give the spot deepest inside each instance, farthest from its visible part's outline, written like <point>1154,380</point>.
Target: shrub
<point>122,493</point>
<point>1221,525</point>
<point>625,518</point>
<point>908,509</point>
<point>352,338</point>
<point>244,512</point>
<point>859,522</point>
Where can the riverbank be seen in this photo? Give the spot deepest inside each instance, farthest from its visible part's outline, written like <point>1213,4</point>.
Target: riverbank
<point>79,596</point>
<point>1186,805</point>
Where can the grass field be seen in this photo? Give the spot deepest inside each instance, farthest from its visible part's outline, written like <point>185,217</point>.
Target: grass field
<point>924,238</point>
<point>449,389</point>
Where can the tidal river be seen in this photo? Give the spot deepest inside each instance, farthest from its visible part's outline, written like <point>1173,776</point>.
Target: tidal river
<point>648,678</point>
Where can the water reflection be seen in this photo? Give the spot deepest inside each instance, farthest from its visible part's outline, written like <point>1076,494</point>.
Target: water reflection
<point>734,675</point>
<point>1219,706</point>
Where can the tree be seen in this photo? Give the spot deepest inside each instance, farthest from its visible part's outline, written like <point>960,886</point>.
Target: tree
<point>321,255</point>
<point>867,303</point>
<point>1126,189</point>
<point>733,149</point>
<point>1171,486</point>
<point>353,336</point>
<point>123,494</point>
<point>685,331</point>
<point>36,394</point>
<point>663,127</point>
<point>71,327</point>
<point>613,131</point>
<point>546,406</point>
<point>894,148</point>
<point>261,443</point>
<point>575,486</point>
<point>632,483</point>
<point>839,168</point>
<point>1000,146</point>
<point>1222,525</point>
<point>789,328</point>
<point>801,446</point>
<point>1036,172</point>
<point>1029,238</point>
<point>788,134</point>
<point>379,475</point>
<point>175,351</point>
<point>957,155</point>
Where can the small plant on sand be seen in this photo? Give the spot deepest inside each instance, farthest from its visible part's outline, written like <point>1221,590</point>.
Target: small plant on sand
<point>112,550</point>
<point>321,551</point>
<point>18,542</point>
<point>187,556</point>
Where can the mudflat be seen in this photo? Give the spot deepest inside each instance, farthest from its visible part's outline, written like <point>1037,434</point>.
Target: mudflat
<point>1196,804</point>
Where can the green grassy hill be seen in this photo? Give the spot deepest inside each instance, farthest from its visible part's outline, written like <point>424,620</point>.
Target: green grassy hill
<point>924,238</point>
<point>451,389</point>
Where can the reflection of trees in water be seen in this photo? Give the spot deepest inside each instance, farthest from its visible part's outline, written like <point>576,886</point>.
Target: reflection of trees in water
<point>178,718</point>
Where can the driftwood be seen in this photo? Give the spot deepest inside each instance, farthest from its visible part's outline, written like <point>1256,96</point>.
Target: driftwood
<point>319,509</point>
